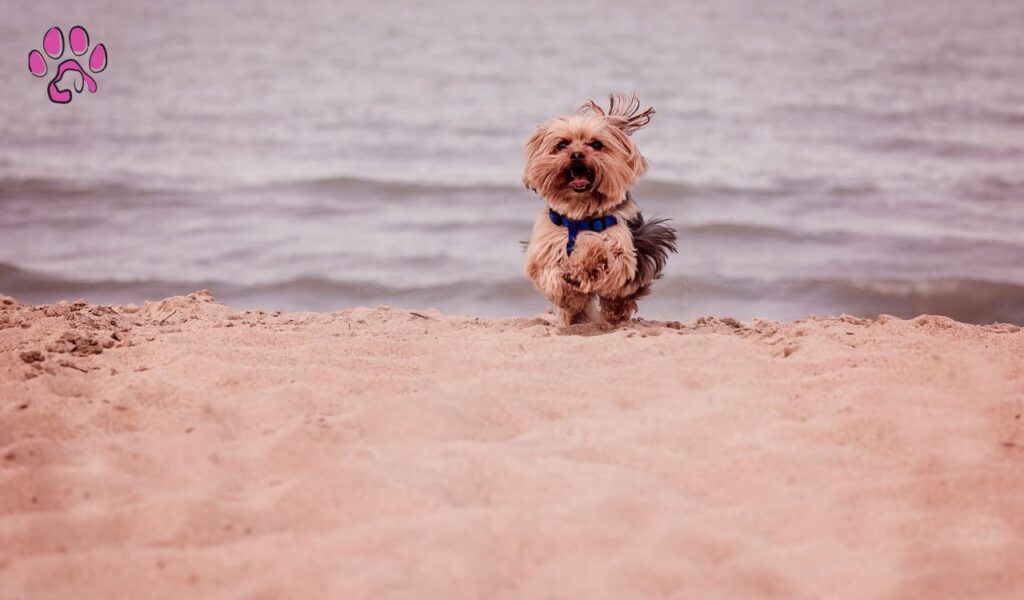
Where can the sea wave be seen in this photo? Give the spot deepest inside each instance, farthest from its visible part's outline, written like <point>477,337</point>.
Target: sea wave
<point>887,116</point>
<point>398,190</point>
<point>16,282</point>
<point>938,148</point>
<point>49,187</point>
<point>993,190</point>
<point>964,299</point>
<point>647,188</point>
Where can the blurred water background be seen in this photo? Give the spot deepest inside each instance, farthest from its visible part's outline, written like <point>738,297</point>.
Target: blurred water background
<point>818,157</point>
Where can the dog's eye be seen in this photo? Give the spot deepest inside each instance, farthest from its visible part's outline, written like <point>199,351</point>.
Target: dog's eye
<point>596,144</point>
<point>562,145</point>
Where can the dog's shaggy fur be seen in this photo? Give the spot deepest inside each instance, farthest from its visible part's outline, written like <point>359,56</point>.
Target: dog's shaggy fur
<point>583,166</point>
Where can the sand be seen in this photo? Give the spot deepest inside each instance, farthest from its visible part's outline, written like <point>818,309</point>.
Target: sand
<point>186,450</point>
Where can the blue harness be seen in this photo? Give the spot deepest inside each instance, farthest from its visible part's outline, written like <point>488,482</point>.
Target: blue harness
<point>598,224</point>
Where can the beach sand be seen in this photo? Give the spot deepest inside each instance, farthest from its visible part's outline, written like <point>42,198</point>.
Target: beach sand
<point>186,450</point>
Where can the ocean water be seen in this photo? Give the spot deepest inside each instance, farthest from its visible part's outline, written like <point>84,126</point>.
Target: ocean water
<point>858,157</point>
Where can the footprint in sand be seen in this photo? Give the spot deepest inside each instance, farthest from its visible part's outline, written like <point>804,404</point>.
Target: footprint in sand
<point>69,75</point>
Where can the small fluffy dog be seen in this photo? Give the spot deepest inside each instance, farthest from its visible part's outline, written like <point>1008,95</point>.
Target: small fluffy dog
<point>592,242</point>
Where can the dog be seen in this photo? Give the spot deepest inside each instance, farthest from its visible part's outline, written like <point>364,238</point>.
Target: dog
<point>591,242</point>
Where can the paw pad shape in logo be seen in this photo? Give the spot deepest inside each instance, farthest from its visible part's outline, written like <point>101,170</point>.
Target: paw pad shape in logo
<point>70,70</point>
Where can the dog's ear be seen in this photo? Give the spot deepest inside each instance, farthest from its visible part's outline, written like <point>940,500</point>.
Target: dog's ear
<point>623,112</point>
<point>626,113</point>
<point>530,152</point>
<point>637,163</point>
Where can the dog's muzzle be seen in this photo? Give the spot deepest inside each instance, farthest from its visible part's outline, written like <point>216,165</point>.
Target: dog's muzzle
<point>579,176</point>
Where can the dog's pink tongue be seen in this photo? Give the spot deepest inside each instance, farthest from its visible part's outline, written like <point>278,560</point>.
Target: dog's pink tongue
<point>579,182</point>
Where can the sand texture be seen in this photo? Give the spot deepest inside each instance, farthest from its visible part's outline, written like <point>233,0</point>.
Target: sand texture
<point>186,450</point>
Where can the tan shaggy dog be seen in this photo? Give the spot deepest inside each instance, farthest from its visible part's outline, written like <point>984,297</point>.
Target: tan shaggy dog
<point>591,242</point>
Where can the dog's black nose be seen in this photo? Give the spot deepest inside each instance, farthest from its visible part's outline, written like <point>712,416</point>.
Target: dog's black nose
<point>576,155</point>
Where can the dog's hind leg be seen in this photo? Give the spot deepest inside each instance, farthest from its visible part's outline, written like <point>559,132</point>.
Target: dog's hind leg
<point>615,310</point>
<point>653,241</point>
<point>575,307</point>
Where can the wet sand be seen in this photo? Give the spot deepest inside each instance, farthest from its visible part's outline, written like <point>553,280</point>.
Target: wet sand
<point>183,449</point>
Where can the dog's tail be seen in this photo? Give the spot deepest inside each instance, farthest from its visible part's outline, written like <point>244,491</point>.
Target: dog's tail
<point>653,241</point>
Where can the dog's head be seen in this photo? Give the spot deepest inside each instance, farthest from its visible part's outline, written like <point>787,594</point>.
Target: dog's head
<point>584,164</point>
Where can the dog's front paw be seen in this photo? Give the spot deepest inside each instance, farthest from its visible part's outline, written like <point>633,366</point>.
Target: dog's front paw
<point>587,268</point>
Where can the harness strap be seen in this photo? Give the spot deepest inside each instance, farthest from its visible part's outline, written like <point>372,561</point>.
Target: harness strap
<point>596,224</point>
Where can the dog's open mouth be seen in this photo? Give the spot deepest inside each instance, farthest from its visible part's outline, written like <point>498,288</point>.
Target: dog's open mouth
<point>580,177</point>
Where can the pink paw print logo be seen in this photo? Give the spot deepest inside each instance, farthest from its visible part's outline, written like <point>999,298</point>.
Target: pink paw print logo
<point>69,73</point>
